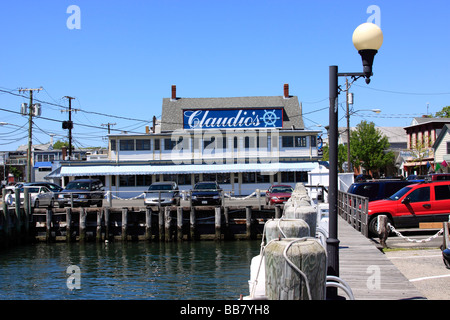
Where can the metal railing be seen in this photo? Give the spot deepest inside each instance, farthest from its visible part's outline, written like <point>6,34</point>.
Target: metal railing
<point>354,209</point>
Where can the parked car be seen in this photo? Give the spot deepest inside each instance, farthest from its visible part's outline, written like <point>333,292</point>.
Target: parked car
<point>363,177</point>
<point>11,187</point>
<point>377,190</point>
<point>415,177</point>
<point>205,193</point>
<point>162,193</point>
<point>421,202</point>
<point>279,193</point>
<point>51,186</point>
<point>39,196</point>
<point>438,177</point>
<point>83,192</point>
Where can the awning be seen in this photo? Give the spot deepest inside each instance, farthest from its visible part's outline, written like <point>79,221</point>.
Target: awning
<point>45,164</point>
<point>124,169</point>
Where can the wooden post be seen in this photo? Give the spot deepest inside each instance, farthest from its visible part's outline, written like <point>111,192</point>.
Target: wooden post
<point>248,221</point>
<point>48,225</point>
<point>180,223</point>
<point>68,224</point>
<point>27,209</point>
<point>161,223</point>
<point>167,221</point>
<point>218,223</point>
<point>124,224</point>
<point>226,215</point>
<point>107,223</point>
<point>83,214</point>
<point>99,225</point>
<point>148,223</point>
<point>277,211</point>
<point>17,212</point>
<point>446,236</point>
<point>383,230</point>
<point>6,230</point>
<point>192,223</point>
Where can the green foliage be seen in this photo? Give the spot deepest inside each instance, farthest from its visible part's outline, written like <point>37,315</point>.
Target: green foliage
<point>368,147</point>
<point>444,113</point>
<point>59,144</point>
<point>342,155</point>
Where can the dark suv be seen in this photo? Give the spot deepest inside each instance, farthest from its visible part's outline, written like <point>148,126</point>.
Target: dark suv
<point>378,190</point>
<point>83,192</point>
<point>205,193</point>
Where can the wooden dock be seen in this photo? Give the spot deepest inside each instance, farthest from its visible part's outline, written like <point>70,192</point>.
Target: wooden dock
<point>369,273</point>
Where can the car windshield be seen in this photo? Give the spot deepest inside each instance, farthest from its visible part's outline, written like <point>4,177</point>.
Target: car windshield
<point>30,190</point>
<point>282,190</point>
<point>157,187</point>
<point>77,185</point>
<point>400,193</point>
<point>205,186</point>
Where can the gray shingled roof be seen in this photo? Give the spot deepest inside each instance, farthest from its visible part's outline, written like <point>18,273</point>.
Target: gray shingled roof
<point>172,110</point>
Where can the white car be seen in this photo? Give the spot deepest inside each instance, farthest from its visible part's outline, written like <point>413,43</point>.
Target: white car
<point>39,195</point>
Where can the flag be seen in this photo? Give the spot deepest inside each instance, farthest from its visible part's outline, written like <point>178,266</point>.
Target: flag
<point>444,164</point>
<point>438,166</point>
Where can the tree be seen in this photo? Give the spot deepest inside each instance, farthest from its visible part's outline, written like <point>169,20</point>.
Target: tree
<point>444,113</point>
<point>59,144</point>
<point>342,155</point>
<point>368,147</point>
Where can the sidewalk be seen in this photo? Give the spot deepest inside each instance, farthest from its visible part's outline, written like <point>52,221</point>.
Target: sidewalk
<point>369,273</point>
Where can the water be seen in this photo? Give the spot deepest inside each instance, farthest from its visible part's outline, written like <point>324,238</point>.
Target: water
<point>121,270</point>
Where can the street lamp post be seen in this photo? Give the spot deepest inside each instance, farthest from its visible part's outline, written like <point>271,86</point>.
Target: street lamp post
<point>367,39</point>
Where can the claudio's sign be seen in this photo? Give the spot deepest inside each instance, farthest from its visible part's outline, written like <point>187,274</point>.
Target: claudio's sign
<point>233,118</point>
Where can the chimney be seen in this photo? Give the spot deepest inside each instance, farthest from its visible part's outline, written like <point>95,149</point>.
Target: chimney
<point>64,153</point>
<point>286,91</point>
<point>174,92</point>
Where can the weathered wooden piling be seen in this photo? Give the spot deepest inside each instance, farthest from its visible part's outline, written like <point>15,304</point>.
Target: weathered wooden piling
<point>107,213</point>
<point>148,223</point>
<point>192,229</point>
<point>48,225</point>
<point>167,223</point>
<point>69,237</point>
<point>295,269</point>
<point>180,223</point>
<point>248,222</point>
<point>98,231</point>
<point>161,223</point>
<point>82,225</point>
<point>218,223</point>
<point>286,228</point>
<point>124,233</point>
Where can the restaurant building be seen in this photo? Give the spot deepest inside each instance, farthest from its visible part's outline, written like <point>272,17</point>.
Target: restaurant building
<point>243,143</point>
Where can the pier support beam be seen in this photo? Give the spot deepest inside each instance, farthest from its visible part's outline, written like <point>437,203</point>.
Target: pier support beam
<point>218,223</point>
<point>69,225</point>
<point>124,224</point>
<point>167,222</point>
<point>99,226</point>
<point>248,221</point>
<point>180,223</point>
<point>161,223</point>
<point>48,225</point>
<point>192,224</point>
<point>148,224</point>
<point>107,222</point>
<point>83,214</point>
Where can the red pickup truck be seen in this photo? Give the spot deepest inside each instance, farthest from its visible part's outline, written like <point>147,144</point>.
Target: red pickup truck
<point>422,202</point>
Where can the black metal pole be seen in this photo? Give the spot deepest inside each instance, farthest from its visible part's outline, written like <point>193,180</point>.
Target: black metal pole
<point>332,241</point>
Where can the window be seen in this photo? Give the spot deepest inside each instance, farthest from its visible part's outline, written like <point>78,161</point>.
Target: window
<point>126,145</point>
<point>287,177</point>
<point>113,145</point>
<point>300,141</point>
<point>143,180</point>
<point>184,179</point>
<point>142,144</point>
<point>448,147</point>
<point>157,144</point>
<point>313,141</point>
<point>287,142</point>
<point>442,192</point>
<point>127,181</point>
<point>248,177</point>
<point>168,144</point>
<point>419,195</point>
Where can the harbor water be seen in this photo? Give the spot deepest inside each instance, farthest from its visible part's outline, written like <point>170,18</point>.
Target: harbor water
<point>202,270</point>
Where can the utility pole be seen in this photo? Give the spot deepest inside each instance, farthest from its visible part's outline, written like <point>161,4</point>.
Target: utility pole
<point>108,125</point>
<point>348,126</point>
<point>31,109</point>
<point>69,124</point>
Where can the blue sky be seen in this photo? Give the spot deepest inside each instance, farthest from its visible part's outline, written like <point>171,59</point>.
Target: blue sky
<point>127,54</point>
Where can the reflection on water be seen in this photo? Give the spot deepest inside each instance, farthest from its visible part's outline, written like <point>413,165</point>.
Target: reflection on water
<point>117,270</point>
